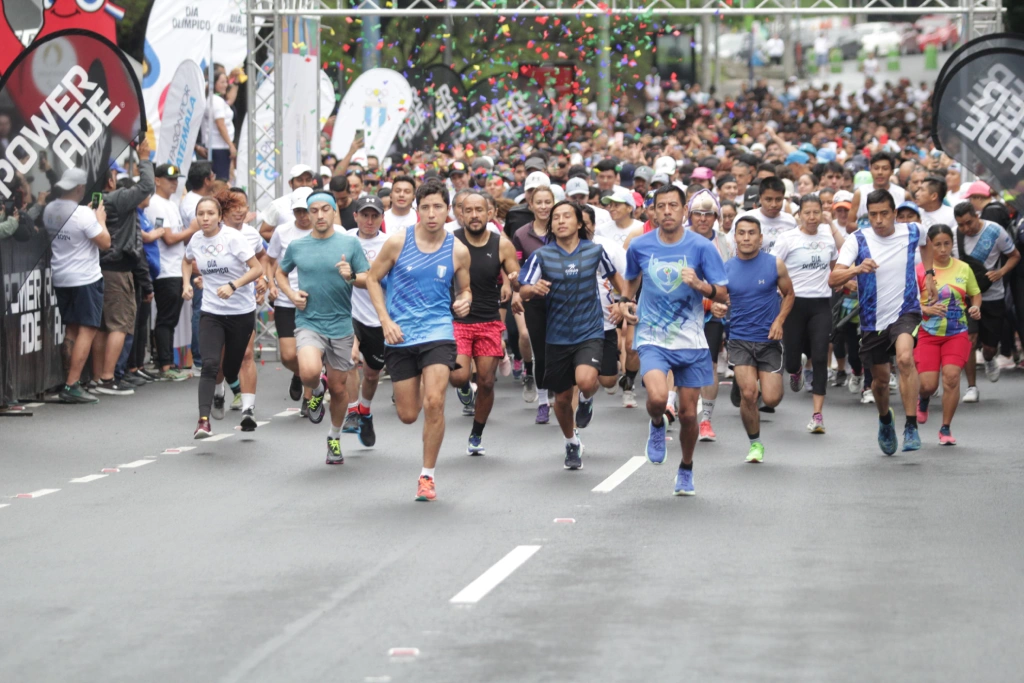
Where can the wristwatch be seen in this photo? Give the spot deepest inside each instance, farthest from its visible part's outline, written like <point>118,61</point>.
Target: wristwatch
<point>232,286</point>
<point>930,271</point>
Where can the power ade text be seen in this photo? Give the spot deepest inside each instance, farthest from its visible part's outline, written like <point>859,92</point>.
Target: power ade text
<point>71,119</point>
<point>995,110</point>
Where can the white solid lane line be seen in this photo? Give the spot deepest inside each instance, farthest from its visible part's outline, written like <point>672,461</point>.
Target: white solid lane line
<point>37,494</point>
<point>291,412</point>
<point>218,437</point>
<point>5,505</point>
<point>501,570</point>
<point>137,463</point>
<point>620,475</point>
<point>86,479</point>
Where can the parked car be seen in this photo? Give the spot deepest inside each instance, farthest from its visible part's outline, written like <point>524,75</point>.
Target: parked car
<point>847,42</point>
<point>879,37</point>
<point>908,39</point>
<point>937,30</point>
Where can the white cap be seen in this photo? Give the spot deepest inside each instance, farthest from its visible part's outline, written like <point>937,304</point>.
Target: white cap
<point>666,165</point>
<point>535,180</point>
<point>300,196</point>
<point>577,186</point>
<point>842,196</point>
<point>558,192</point>
<point>620,196</point>
<point>72,178</point>
<point>758,147</point>
<point>325,171</point>
<point>298,170</point>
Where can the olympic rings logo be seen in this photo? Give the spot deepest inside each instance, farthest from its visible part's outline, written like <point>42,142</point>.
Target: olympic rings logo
<point>213,249</point>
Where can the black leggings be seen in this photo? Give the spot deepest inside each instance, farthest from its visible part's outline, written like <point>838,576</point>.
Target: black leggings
<point>513,333</point>
<point>167,294</point>
<point>809,326</point>
<point>714,332</point>
<point>536,313</point>
<point>229,333</point>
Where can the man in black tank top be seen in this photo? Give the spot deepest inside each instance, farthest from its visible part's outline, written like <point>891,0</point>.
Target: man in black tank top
<point>478,335</point>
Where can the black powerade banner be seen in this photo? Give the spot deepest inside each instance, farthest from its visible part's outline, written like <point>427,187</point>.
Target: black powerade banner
<point>74,103</point>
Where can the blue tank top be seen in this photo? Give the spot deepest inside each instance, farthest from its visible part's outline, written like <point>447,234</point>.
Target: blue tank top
<point>753,293</point>
<point>419,292</point>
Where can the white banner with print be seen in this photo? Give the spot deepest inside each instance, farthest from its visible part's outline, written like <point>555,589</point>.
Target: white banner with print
<point>182,117</point>
<point>376,104</point>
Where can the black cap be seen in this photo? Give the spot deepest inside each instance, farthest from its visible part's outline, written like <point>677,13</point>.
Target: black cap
<point>169,171</point>
<point>368,202</point>
<point>456,168</point>
<point>750,197</point>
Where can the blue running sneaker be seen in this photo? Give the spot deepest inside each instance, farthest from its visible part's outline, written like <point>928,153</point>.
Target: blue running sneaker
<point>465,394</point>
<point>573,456</point>
<point>584,413</point>
<point>911,439</point>
<point>887,434</point>
<point>656,444</point>
<point>684,483</point>
<point>475,445</point>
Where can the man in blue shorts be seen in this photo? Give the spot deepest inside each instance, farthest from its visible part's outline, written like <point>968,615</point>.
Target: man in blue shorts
<point>679,269</point>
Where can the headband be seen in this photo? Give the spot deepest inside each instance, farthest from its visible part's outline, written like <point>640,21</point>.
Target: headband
<point>321,196</point>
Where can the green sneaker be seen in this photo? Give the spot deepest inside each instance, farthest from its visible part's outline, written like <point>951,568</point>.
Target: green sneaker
<point>173,375</point>
<point>236,402</point>
<point>756,452</point>
<point>76,394</point>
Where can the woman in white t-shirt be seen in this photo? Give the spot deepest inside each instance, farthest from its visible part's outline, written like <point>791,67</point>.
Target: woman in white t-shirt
<point>219,129</point>
<point>809,253</point>
<point>228,265</point>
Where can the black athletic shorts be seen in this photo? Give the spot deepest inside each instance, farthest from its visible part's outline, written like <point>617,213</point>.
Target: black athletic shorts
<point>284,322</point>
<point>876,348</point>
<point>371,344</point>
<point>406,362</point>
<point>563,359</point>
<point>990,328</point>
<point>610,359</point>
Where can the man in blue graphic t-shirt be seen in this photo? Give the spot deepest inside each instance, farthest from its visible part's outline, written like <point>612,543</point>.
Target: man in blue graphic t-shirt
<point>679,268</point>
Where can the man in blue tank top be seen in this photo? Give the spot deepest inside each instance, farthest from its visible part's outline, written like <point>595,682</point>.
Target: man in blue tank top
<point>420,264</point>
<point>755,346</point>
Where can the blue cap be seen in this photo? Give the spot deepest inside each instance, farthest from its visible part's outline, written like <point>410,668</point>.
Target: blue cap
<point>114,166</point>
<point>909,205</point>
<point>797,158</point>
<point>808,147</point>
<point>825,155</point>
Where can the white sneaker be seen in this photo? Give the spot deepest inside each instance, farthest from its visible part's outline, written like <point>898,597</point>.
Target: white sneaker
<point>992,370</point>
<point>1005,363</point>
<point>856,384</point>
<point>894,382</point>
<point>628,399</point>
<point>505,366</point>
<point>971,395</point>
<point>867,397</point>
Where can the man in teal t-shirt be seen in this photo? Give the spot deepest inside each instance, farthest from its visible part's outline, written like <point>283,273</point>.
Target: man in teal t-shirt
<point>329,265</point>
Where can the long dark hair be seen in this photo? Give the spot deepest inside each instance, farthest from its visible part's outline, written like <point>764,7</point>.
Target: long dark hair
<point>940,229</point>
<point>582,227</point>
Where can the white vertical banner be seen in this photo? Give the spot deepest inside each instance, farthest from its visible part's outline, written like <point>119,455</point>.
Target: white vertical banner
<point>182,117</point>
<point>300,81</point>
<point>376,103</point>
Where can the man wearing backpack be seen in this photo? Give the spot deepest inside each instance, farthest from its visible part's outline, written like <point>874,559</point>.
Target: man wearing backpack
<point>981,245</point>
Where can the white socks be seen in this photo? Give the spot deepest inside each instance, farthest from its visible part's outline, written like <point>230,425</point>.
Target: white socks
<point>219,390</point>
<point>709,407</point>
<point>335,432</point>
<point>542,398</point>
<point>248,401</point>
<point>574,441</point>
<point>673,399</point>
<point>427,472</point>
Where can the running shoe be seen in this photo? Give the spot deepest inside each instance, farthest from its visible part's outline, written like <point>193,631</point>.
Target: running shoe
<point>543,414</point>
<point>992,370</point>
<point>573,457</point>
<point>629,399</point>
<point>1005,362</point>
<point>894,382</point>
<point>351,423</point>
<point>236,402</point>
<point>202,429</point>
<point>887,434</point>
<point>656,444</point>
<point>529,389</point>
<point>945,437</point>
<point>684,483</point>
<point>841,378</point>
<point>706,432</point>
<point>304,409</point>
<point>130,380</point>
<point>334,456</point>
<point>249,419</point>
<point>505,366</point>
<point>139,375</point>
<point>809,378</point>
<point>111,387</point>
<point>911,439</point>
<point>517,369</point>
<point>465,394</point>
<point>817,424</point>
<point>856,384</point>
<point>425,491</point>
<point>469,410</point>
<point>796,381</point>
<point>867,396</point>
<point>626,382</point>
<point>476,446</point>
<point>317,405</point>
<point>756,453</point>
<point>735,397</point>
<point>584,413</point>
<point>922,410</point>
<point>218,408</point>
<point>972,395</point>
<point>367,435</point>
<point>173,375</point>
<point>295,388</point>
<point>153,375</point>
<point>90,387</point>
<point>75,393</point>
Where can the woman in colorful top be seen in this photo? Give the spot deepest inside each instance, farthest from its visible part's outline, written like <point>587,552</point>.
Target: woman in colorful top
<point>942,341</point>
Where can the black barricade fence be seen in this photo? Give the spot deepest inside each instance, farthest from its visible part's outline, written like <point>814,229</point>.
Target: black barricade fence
<point>74,103</point>
<point>979,112</point>
<point>31,332</point>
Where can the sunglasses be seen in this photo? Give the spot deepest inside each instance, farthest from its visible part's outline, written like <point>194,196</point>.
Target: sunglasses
<point>704,214</point>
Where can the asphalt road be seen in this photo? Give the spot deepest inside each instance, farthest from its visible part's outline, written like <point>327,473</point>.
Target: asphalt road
<point>249,559</point>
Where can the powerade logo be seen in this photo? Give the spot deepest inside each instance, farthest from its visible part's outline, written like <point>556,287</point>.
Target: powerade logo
<point>182,127</point>
<point>69,121</point>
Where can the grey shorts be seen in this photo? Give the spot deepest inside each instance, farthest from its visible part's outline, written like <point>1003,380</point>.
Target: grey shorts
<point>337,352</point>
<point>765,356</point>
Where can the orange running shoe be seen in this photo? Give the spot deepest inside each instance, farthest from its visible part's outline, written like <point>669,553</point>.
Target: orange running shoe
<point>425,492</point>
<point>706,432</point>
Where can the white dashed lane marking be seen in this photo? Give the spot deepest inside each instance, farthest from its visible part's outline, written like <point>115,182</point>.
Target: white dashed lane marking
<point>136,463</point>
<point>620,475</point>
<point>218,437</point>
<point>490,579</point>
<point>37,494</point>
<point>87,478</point>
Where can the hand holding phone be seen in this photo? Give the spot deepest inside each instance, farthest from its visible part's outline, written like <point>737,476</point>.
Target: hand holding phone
<point>97,198</point>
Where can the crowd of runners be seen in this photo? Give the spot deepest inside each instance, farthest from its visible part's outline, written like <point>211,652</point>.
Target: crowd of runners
<point>825,246</point>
